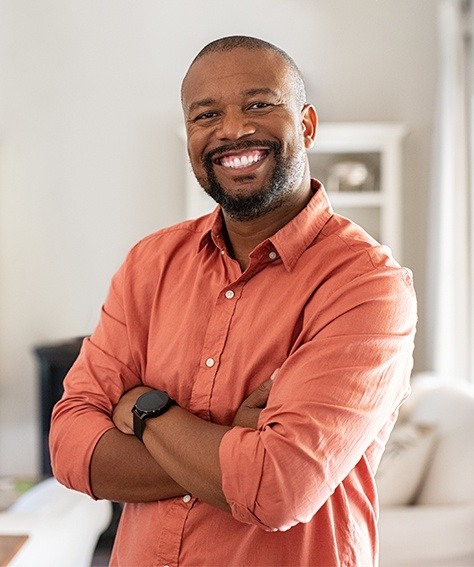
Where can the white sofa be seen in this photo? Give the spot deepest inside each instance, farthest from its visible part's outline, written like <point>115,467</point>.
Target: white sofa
<point>63,526</point>
<point>433,523</point>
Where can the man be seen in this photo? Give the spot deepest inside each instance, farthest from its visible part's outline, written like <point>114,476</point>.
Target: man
<point>264,349</point>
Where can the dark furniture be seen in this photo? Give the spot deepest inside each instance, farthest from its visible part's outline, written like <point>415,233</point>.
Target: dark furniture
<point>55,360</point>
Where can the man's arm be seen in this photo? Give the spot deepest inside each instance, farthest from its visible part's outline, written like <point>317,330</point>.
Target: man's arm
<point>123,470</point>
<point>187,447</point>
<point>137,475</point>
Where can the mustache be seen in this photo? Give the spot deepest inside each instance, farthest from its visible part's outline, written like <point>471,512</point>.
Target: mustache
<point>238,146</point>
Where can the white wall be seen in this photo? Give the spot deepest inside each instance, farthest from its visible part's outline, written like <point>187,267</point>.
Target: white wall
<point>90,159</point>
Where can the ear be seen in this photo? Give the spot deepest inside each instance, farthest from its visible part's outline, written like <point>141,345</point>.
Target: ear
<point>309,123</point>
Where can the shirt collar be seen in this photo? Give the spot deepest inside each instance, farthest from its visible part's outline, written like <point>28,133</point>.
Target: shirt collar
<point>291,240</point>
<point>212,230</point>
<point>295,237</point>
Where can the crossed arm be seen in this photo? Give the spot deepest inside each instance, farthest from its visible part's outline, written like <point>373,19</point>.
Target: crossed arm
<point>179,453</point>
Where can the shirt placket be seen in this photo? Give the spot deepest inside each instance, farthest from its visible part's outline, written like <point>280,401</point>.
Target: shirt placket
<point>213,346</point>
<point>172,531</point>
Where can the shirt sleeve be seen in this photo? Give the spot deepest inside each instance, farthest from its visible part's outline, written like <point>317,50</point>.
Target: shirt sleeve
<point>105,369</point>
<point>336,392</point>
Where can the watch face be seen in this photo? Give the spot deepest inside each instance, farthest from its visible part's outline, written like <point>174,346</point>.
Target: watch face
<point>152,401</point>
<point>151,404</point>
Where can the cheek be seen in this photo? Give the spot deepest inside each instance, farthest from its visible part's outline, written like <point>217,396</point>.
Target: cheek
<point>194,158</point>
<point>196,146</point>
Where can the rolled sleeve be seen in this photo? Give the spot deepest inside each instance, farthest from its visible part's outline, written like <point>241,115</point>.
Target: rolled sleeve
<point>104,370</point>
<point>252,503</point>
<point>331,399</point>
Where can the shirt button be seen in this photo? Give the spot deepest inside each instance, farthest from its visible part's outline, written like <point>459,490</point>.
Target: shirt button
<point>187,498</point>
<point>229,294</point>
<point>210,362</point>
<point>272,255</point>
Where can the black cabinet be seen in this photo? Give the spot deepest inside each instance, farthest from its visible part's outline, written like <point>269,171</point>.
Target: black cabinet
<point>55,360</point>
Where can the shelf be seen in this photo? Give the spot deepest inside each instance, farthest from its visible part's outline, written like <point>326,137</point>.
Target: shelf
<point>356,199</point>
<point>342,149</point>
<point>358,136</point>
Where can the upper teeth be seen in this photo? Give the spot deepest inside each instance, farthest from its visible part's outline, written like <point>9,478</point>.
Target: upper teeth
<point>243,161</point>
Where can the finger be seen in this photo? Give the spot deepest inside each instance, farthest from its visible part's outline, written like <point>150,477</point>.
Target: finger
<point>258,398</point>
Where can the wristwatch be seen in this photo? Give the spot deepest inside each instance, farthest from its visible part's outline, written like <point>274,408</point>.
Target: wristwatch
<point>150,404</point>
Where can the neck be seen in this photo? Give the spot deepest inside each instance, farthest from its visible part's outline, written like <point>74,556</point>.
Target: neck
<point>244,236</point>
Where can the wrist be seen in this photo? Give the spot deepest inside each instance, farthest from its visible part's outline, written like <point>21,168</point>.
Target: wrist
<point>149,406</point>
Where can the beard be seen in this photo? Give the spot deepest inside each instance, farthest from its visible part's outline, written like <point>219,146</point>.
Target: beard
<point>241,206</point>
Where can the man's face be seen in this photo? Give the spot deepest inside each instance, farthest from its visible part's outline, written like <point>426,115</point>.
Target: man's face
<point>246,130</point>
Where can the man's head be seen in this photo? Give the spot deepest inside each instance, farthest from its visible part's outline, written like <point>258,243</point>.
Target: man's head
<point>254,44</point>
<point>248,125</point>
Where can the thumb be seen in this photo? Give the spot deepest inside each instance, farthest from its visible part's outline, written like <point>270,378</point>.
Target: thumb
<point>258,398</point>
<point>274,374</point>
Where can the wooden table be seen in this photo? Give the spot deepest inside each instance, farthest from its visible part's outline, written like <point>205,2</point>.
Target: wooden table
<point>9,547</point>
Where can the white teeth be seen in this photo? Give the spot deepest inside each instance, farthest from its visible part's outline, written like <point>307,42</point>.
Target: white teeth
<point>244,161</point>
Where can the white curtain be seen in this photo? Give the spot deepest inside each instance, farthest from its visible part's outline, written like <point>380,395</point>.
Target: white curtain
<point>451,261</point>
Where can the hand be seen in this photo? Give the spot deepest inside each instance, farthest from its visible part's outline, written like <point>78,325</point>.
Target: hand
<point>122,415</point>
<point>249,411</point>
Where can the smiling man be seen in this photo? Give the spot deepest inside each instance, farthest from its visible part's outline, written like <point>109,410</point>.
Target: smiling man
<point>248,365</point>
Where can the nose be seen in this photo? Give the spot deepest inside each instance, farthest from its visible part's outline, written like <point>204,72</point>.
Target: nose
<point>234,124</point>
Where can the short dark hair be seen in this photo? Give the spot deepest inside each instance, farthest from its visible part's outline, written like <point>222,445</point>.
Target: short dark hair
<point>253,43</point>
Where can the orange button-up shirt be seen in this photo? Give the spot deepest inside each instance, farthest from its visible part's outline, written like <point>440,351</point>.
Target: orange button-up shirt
<point>321,301</point>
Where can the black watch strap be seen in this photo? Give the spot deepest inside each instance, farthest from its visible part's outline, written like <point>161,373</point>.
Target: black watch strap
<point>138,426</point>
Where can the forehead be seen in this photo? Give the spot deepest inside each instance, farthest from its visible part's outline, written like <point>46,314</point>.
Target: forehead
<point>230,72</point>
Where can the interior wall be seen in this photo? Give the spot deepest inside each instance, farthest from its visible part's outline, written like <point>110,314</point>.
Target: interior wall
<point>91,159</point>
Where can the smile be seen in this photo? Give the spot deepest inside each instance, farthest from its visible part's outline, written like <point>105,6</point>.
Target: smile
<point>242,160</point>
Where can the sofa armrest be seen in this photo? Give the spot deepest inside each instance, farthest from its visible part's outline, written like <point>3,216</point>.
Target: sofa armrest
<point>427,536</point>
<point>63,526</point>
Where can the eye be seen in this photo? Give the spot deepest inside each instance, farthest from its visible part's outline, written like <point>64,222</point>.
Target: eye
<point>205,116</point>
<point>260,105</point>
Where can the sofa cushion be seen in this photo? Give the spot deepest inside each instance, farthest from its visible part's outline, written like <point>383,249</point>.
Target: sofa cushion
<point>449,478</point>
<point>404,463</point>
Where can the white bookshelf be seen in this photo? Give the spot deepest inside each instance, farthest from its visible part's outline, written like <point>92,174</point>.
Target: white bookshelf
<point>378,145</point>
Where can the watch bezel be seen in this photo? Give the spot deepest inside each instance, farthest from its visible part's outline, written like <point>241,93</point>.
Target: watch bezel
<point>141,413</point>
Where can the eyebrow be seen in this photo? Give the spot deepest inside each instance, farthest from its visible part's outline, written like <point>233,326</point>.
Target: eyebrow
<point>206,102</point>
<point>262,90</point>
<point>201,103</point>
